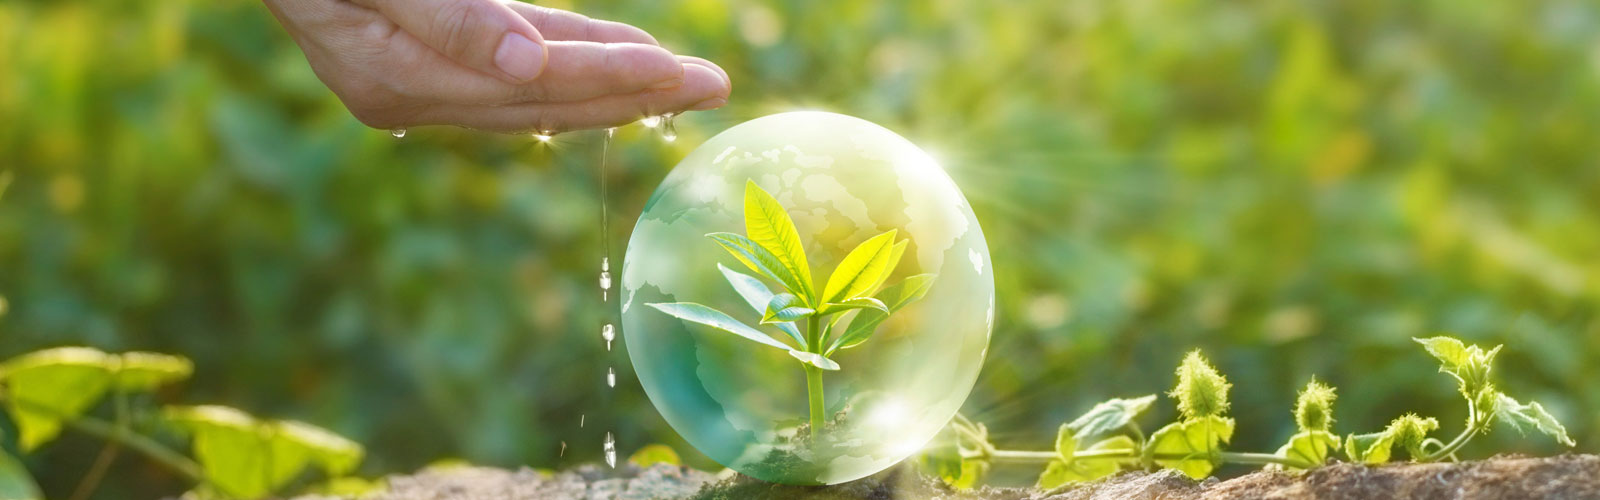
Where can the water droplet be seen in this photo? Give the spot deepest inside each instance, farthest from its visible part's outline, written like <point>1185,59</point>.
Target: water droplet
<point>650,121</point>
<point>398,133</point>
<point>669,132</point>
<point>611,451</point>
<point>611,377</point>
<point>563,448</point>
<point>544,135</point>
<point>605,263</point>
<point>609,333</point>
<point>581,418</point>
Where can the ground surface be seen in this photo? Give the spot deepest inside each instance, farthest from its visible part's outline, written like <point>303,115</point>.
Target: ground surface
<point>1564,477</point>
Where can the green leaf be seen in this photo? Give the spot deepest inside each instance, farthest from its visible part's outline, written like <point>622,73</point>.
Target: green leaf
<point>815,359</point>
<point>246,457</point>
<point>1450,352</point>
<point>770,227</point>
<point>655,454</point>
<point>1110,416</point>
<point>861,269</point>
<point>972,471</point>
<point>1373,449</point>
<point>696,313</point>
<point>50,386</point>
<point>895,252</point>
<point>1060,472</point>
<point>855,303</point>
<point>1521,416</point>
<point>15,482</point>
<point>895,298</point>
<point>1066,443</point>
<point>757,295</point>
<point>786,308</point>
<point>1193,446</point>
<point>1310,447</point>
<point>331,452</point>
<point>762,261</point>
<point>143,371</point>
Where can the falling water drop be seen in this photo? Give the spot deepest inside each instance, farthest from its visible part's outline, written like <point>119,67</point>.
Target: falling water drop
<point>398,133</point>
<point>650,121</point>
<point>581,418</point>
<point>611,451</point>
<point>611,377</point>
<point>669,132</point>
<point>609,333</point>
<point>563,448</point>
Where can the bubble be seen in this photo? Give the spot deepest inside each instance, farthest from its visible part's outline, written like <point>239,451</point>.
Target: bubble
<point>746,399</point>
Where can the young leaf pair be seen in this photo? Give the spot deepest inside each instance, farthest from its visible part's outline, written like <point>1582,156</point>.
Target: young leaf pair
<point>772,249</point>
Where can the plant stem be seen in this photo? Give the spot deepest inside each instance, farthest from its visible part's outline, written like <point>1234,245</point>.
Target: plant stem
<point>1259,459</point>
<point>1460,440</point>
<point>814,378</point>
<point>137,442</point>
<point>1022,456</point>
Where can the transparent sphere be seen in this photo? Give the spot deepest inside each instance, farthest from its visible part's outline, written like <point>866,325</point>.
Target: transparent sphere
<point>822,353</point>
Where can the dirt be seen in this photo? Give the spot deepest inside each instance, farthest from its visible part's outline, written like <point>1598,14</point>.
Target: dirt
<point>1563,477</point>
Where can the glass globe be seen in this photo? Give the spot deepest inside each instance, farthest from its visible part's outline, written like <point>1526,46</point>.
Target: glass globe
<point>807,298</point>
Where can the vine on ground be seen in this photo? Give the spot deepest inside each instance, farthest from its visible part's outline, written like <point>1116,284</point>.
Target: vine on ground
<point>1107,439</point>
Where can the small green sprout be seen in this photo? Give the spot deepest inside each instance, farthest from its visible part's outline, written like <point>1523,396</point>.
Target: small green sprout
<point>1107,439</point>
<point>816,324</point>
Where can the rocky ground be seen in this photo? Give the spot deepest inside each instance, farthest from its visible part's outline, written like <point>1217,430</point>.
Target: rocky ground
<point>1563,477</point>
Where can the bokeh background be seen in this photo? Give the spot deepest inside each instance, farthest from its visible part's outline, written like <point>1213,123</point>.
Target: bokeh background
<point>1296,187</point>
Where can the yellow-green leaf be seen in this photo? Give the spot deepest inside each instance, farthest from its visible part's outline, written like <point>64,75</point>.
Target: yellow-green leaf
<point>331,452</point>
<point>48,387</point>
<point>855,303</point>
<point>758,296</point>
<point>1371,448</point>
<point>143,371</point>
<point>763,262</point>
<point>15,482</point>
<point>246,457</point>
<point>1193,446</point>
<point>815,359</point>
<point>766,223</point>
<point>1109,416</point>
<point>1060,472</point>
<point>895,298</point>
<point>1519,415</point>
<point>1066,443</point>
<point>1310,448</point>
<point>785,308</point>
<point>655,454</point>
<point>861,269</point>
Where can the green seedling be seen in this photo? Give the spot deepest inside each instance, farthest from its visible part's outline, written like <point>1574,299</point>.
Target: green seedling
<point>1107,439</point>
<point>812,323</point>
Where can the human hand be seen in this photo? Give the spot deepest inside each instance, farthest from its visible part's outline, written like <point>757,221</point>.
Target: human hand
<point>497,65</point>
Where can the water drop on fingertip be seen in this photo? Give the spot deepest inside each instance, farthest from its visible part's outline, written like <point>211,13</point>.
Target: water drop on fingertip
<point>669,132</point>
<point>650,121</point>
<point>398,133</point>
<point>544,135</point>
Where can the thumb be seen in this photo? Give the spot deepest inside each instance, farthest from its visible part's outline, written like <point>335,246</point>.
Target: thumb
<point>485,35</point>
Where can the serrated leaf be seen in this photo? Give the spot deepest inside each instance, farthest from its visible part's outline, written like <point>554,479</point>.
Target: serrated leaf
<point>655,454</point>
<point>15,482</point>
<point>143,371</point>
<point>861,269</point>
<point>757,258</point>
<point>1193,446</point>
<point>696,313</point>
<point>767,224</point>
<point>1449,351</point>
<point>855,303</point>
<point>895,297</point>
<point>785,308</point>
<point>815,359</point>
<point>1311,447</point>
<point>1066,443</point>
<point>50,386</point>
<point>756,293</point>
<point>1060,472</point>
<point>1374,448</point>
<point>1109,416</point>
<point>1520,416</point>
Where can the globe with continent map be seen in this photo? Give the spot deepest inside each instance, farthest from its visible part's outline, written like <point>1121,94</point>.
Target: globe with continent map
<point>899,354</point>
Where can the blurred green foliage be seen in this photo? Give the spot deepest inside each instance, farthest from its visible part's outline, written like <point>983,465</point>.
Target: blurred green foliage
<point>1297,187</point>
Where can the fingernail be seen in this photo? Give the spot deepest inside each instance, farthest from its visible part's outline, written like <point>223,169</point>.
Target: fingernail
<point>519,57</point>
<point>670,83</point>
<point>712,103</point>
